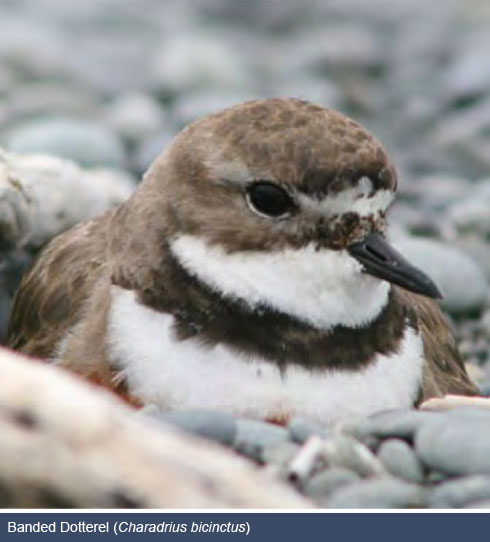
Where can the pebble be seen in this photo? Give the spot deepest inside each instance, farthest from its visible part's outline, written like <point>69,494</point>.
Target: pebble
<point>279,454</point>
<point>82,141</point>
<point>42,98</point>
<point>324,483</point>
<point>195,104</point>
<point>457,442</point>
<point>377,493</point>
<point>196,60</point>
<point>253,437</point>
<point>460,492</point>
<point>461,281</point>
<point>470,213</point>
<point>438,192</point>
<point>475,245</point>
<point>135,115</point>
<point>465,77</point>
<point>345,451</point>
<point>149,149</point>
<point>400,460</point>
<point>301,428</point>
<point>400,424</point>
<point>214,425</point>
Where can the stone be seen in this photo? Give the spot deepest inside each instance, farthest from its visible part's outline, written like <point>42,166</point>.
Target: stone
<point>468,213</point>
<point>301,428</point>
<point>135,115</point>
<point>149,149</point>
<point>457,442</point>
<point>42,98</point>
<point>468,75</point>
<point>463,284</point>
<point>279,454</point>
<point>192,105</point>
<point>85,142</point>
<point>325,482</point>
<point>462,125</point>
<point>196,60</point>
<point>377,493</point>
<point>253,437</point>
<point>460,492</point>
<point>400,424</point>
<point>400,460</point>
<point>345,451</point>
<point>437,192</point>
<point>474,244</point>
<point>214,425</point>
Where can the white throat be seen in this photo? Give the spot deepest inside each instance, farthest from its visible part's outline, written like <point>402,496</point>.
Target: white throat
<point>322,288</point>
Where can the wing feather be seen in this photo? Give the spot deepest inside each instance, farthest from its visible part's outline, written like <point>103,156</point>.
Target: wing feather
<point>52,293</point>
<point>444,370</point>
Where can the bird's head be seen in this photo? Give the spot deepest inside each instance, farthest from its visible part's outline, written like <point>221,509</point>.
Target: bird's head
<point>282,204</point>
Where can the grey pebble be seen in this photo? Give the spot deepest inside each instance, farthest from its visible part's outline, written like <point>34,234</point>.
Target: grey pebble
<point>210,424</point>
<point>279,453</point>
<point>325,482</point>
<point>347,452</point>
<point>384,492</point>
<point>87,143</point>
<point>464,291</point>
<point>460,492</point>
<point>457,442</point>
<point>400,460</point>
<point>135,115</point>
<point>253,437</point>
<point>394,423</point>
<point>301,428</point>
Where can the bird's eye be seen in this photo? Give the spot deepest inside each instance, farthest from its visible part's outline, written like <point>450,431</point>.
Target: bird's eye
<point>268,199</point>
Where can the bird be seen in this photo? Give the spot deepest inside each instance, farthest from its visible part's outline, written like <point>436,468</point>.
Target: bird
<point>248,272</point>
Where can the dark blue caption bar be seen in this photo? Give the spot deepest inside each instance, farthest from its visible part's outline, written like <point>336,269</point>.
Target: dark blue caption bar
<point>254,526</point>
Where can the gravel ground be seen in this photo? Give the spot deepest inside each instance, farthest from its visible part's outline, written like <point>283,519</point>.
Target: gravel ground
<point>396,459</point>
<point>108,83</point>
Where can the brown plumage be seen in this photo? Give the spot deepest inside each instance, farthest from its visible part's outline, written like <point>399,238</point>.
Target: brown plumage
<point>196,187</point>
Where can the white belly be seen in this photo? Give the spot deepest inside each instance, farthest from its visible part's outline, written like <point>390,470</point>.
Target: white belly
<point>177,374</point>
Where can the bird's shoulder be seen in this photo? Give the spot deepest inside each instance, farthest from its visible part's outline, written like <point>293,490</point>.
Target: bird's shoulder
<point>53,291</point>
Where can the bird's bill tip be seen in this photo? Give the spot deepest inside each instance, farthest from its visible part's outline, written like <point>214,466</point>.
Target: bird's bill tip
<point>381,260</point>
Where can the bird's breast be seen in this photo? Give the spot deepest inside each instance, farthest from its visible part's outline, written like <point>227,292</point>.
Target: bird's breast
<point>179,374</point>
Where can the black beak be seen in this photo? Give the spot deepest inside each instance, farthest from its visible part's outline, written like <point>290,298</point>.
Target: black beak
<point>383,261</point>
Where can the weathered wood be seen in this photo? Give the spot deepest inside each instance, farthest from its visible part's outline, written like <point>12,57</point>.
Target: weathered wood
<point>67,443</point>
<point>448,402</point>
<point>42,196</point>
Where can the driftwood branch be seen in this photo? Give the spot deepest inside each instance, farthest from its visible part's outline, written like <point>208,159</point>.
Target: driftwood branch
<point>42,196</point>
<point>67,443</point>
